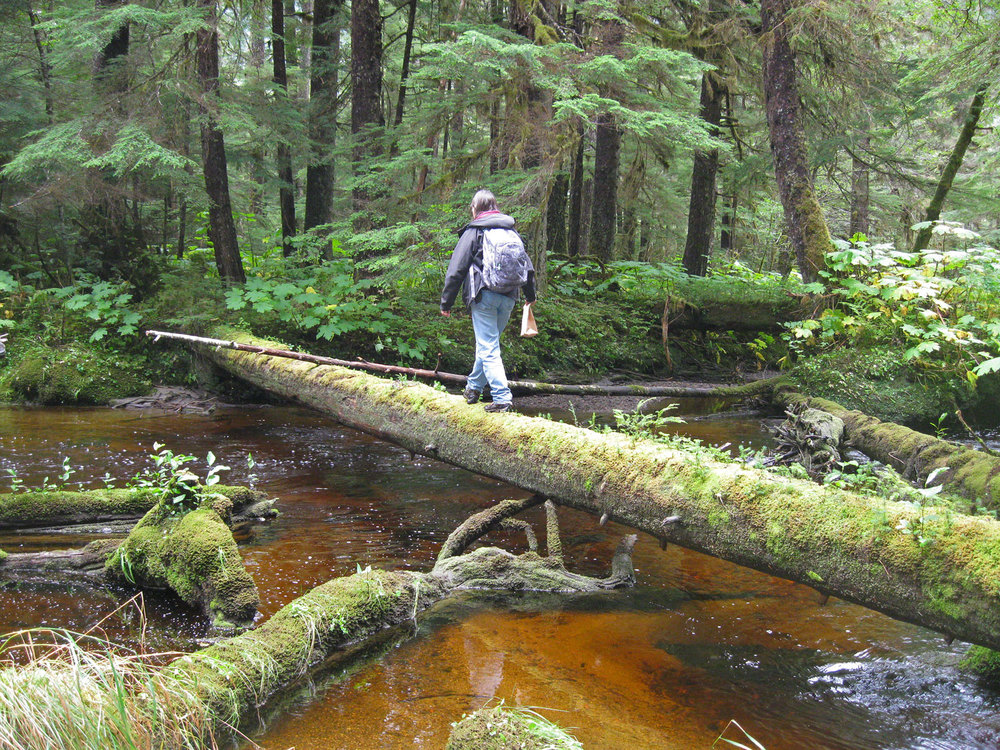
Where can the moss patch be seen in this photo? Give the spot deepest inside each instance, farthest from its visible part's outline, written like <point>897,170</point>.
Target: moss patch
<point>501,728</point>
<point>193,555</point>
<point>983,662</point>
<point>71,374</point>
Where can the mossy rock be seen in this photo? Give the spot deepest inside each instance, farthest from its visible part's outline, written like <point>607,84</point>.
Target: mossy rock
<point>983,662</point>
<point>501,728</point>
<point>876,382</point>
<point>71,374</point>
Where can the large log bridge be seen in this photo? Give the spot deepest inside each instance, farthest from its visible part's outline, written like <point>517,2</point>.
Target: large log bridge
<point>839,543</point>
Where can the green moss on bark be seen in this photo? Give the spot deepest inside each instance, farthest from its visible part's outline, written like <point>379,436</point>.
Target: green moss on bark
<point>983,662</point>
<point>71,374</point>
<point>193,555</point>
<point>239,674</point>
<point>61,507</point>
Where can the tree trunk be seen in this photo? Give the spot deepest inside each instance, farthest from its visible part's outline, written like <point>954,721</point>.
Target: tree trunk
<point>366,102</point>
<point>860,194</point>
<point>498,160</point>
<point>283,154</point>
<point>221,229</point>
<point>555,219</point>
<point>44,67</point>
<point>404,74</point>
<point>807,229</point>
<point>604,205</point>
<point>837,542</point>
<point>112,53</point>
<point>258,57</point>
<point>573,245</point>
<point>728,230</point>
<point>322,112</point>
<point>701,209</point>
<point>952,167</point>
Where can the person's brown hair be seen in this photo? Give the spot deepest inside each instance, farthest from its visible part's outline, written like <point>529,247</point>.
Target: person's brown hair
<point>482,201</point>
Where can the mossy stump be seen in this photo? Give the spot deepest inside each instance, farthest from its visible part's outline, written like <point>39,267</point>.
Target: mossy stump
<point>194,555</point>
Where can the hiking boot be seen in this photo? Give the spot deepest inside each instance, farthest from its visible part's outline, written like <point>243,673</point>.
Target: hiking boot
<point>495,407</point>
<point>471,395</point>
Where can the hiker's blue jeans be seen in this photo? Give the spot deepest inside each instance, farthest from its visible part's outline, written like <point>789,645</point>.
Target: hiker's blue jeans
<point>489,317</point>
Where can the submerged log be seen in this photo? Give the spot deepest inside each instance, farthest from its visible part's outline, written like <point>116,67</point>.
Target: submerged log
<point>840,543</point>
<point>967,472</point>
<point>87,561</point>
<point>39,509</point>
<point>193,554</point>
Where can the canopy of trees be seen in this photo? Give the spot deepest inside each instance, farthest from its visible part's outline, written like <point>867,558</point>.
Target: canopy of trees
<point>622,130</point>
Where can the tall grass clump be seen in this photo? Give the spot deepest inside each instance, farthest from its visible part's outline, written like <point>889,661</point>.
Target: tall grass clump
<point>73,690</point>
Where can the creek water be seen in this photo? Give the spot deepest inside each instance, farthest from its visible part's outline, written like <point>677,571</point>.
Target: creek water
<point>698,642</point>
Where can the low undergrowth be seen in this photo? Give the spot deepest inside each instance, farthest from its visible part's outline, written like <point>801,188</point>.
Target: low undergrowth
<point>72,690</point>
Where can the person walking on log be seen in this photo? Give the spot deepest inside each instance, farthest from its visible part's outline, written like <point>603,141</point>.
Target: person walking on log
<point>491,267</point>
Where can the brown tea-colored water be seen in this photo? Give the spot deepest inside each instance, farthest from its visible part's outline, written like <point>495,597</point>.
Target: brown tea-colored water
<point>699,642</point>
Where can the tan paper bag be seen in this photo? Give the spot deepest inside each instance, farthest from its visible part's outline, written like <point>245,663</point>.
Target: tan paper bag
<point>528,325</point>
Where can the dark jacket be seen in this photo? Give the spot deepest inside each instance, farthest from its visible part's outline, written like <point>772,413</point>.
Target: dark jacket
<point>465,270</point>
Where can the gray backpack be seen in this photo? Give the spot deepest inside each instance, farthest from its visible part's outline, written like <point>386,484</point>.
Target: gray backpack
<point>505,262</point>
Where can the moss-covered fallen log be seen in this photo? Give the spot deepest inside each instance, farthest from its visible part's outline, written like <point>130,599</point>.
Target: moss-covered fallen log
<point>521,387</point>
<point>194,555</point>
<point>233,678</point>
<point>966,472</point>
<point>38,509</point>
<point>87,561</point>
<point>840,543</point>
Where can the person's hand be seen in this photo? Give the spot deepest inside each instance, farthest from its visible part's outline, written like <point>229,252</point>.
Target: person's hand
<point>446,313</point>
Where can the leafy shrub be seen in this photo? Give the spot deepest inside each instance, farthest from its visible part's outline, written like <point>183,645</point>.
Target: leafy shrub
<point>938,306</point>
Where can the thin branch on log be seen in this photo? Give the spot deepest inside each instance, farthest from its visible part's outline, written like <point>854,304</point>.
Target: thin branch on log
<point>975,435</point>
<point>622,572</point>
<point>520,525</point>
<point>553,543</point>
